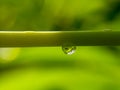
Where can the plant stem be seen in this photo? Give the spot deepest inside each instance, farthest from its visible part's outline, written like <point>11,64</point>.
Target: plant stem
<point>58,38</point>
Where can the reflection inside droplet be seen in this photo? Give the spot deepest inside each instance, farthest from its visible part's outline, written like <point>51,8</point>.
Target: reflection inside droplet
<point>68,49</point>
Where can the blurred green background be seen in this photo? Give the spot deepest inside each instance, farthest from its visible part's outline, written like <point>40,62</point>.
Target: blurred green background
<point>48,68</point>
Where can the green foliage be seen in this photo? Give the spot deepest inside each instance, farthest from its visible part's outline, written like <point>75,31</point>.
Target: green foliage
<point>48,68</point>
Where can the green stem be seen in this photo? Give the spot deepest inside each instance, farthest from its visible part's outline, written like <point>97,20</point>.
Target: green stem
<point>58,38</point>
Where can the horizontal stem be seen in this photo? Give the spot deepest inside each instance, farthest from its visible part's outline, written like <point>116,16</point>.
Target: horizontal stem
<point>58,38</point>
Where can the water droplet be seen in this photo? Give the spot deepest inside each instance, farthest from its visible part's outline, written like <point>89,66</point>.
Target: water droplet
<point>69,49</point>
